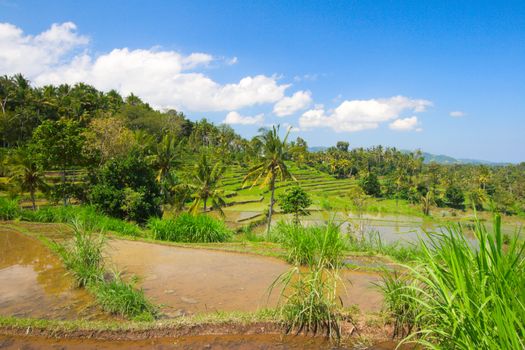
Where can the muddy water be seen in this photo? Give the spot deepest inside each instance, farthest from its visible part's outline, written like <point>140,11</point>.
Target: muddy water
<point>189,280</point>
<point>222,342</point>
<point>33,282</point>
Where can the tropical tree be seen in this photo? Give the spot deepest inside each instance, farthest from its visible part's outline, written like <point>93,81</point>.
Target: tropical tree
<point>271,165</point>
<point>426,202</point>
<point>26,174</point>
<point>59,144</point>
<point>206,181</point>
<point>296,201</point>
<point>166,156</point>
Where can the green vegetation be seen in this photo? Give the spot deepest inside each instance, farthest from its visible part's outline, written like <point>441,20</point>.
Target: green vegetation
<point>308,245</point>
<point>272,164</point>
<point>309,298</point>
<point>83,257</point>
<point>295,200</point>
<point>460,296</point>
<point>190,228</point>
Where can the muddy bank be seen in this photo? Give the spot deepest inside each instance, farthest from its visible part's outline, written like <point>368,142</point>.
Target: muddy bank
<point>245,342</point>
<point>187,280</point>
<point>34,283</point>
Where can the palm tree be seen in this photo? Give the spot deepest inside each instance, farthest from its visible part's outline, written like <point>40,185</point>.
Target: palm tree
<point>206,180</point>
<point>166,156</point>
<point>27,174</point>
<point>272,164</point>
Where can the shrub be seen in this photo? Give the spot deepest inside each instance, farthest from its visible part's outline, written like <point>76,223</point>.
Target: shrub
<point>190,228</point>
<point>126,188</point>
<point>370,184</point>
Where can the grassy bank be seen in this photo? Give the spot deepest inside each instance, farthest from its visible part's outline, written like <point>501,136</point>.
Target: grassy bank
<point>459,296</point>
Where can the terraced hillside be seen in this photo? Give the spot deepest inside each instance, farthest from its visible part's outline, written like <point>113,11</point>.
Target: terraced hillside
<point>248,203</point>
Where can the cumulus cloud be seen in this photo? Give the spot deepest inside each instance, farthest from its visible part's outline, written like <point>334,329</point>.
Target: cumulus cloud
<point>31,54</point>
<point>234,118</point>
<point>457,114</point>
<point>405,124</point>
<point>165,79</point>
<point>289,105</point>
<point>357,115</point>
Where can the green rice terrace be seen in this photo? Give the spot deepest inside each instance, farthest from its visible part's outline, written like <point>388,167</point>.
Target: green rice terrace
<point>124,226</point>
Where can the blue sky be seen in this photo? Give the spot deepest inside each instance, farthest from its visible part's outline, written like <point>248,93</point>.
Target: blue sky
<point>368,72</point>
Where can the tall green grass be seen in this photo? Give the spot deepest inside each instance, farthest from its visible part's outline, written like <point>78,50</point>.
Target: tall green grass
<point>190,228</point>
<point>9,209</point>
<point>308,299</point>
<point>120,297</point>
<point>83,257</point>
<point>308,245</point>
<point>88,215</point>
<point>464,296</point>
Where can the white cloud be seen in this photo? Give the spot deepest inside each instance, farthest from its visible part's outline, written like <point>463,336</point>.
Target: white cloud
<point>235,118</point>
<point>30,54</point>
<point>405,124</point>
<point>165,79</point>
<point>289,105</point>
<point>357,115</point>
<point>457,114</point>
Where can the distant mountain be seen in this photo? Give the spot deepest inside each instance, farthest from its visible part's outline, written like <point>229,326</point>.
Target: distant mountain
<point>443,159</point>
<point>317,149</point>
<point>429,158</point>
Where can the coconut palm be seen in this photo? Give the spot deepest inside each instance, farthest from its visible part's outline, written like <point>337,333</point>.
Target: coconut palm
<point>26,174</point>
<point>272,164</point>
<point>206,180</point>
<point>166,156</point>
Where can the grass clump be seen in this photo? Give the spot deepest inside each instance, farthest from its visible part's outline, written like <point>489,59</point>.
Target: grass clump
<point>466,297</point>
<point>9,209</point>
<point>311,244</point>
<point>308,297</point>
<point>119,297</point>
<point>190,228</point>
<point>83,257</point>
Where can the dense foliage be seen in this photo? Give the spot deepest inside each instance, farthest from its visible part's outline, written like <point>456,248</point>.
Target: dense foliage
<point>131,161</point>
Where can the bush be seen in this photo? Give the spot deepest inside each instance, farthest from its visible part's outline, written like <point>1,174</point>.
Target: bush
<point>190,228</point>
<point>309,245</point>
<point>370,184</point>
<point>126,188</point>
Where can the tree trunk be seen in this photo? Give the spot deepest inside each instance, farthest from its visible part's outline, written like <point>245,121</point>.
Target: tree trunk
<point>64,177</point>
<point>32,194</point>
<point>205,200</point>
<point>272,201</point>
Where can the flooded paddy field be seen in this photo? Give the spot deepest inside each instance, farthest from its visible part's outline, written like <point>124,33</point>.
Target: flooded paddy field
<point>34,283</point>
<point>198,280</point>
